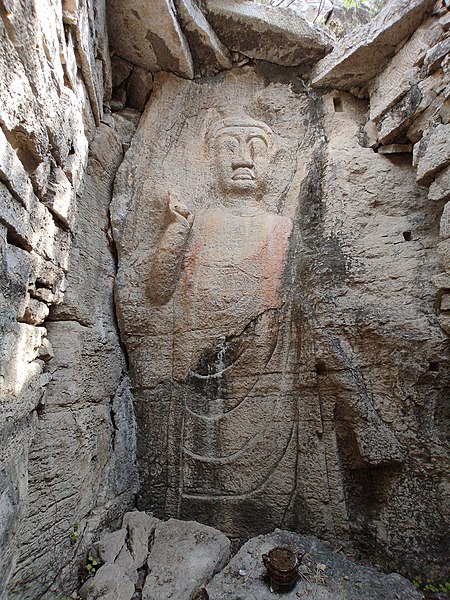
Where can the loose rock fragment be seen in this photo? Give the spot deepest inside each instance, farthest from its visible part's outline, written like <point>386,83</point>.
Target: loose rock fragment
<point>267,33</point>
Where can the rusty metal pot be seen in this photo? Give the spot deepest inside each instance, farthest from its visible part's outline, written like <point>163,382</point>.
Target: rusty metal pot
<point>282,569</point>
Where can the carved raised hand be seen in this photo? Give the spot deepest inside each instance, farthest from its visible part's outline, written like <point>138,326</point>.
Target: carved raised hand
<point>164,271</point>
<point>179,212</point>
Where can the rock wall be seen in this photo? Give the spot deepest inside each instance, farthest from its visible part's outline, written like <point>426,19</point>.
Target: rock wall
<point>407,104</point>
<point>208,340</point>
<point>66,422</point>
<point>318,403</point>
<point>280,229</point>
<point>176,559</point>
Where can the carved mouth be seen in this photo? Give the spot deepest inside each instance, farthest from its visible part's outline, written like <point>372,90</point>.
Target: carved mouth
<point>242,174</point>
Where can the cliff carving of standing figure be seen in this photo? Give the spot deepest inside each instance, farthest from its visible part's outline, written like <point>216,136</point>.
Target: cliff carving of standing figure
<point>232,439</point>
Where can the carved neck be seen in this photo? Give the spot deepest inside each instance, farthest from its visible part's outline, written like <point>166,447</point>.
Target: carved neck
<point>242,205</point>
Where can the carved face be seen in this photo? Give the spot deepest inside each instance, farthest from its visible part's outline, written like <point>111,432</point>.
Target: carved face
<point>242,156</point>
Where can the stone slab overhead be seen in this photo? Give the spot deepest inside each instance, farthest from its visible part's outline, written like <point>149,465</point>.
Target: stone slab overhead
<point>209,54</point>
<point>149,35</point>
<point>360,55</point>
<point>395,149</point>
<point>266,32</point>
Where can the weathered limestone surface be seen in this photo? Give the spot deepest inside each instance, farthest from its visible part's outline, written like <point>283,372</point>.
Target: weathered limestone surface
<point>210,55</point>
<point>433,153</point>
<point>224,339</point>
<point>283,289</point>
<point>184,557</point>
<point>109,583</point>
<point>419,114</point>
<point>191,40</point>
<point>408,97</point>
<point>267,33</point>
<point>395,240</point>
<point>33,249</point>
<point>360,55</point>
<point>139,88</point>
<point>325,574</point>
<point>263,327</point>
<point>149,35</point>
<point>121,556</point>
<point>168,560</point>
<point>66,418</point>
<point>83,448</point>
<point>440,188</point>
<point>131,87</point>
<point>411,115</point>
<point>403,70</point>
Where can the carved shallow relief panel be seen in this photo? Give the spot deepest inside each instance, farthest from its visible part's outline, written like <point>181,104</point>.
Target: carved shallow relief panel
<point>223,304</point>
<point>203,295</point>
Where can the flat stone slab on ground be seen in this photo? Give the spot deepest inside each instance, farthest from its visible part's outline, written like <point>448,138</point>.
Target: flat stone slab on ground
<point>109,583</point>
<point>185,555</point>
<point>326,575</point>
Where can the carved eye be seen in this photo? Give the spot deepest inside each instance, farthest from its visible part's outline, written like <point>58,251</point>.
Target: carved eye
<point>229,145</point>
<point>257,146</point>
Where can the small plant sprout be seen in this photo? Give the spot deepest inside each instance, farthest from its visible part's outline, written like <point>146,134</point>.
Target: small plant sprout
<point>353,3</point>
<point>427,585</point>
<point>91,565</point>
<point>73,534</point>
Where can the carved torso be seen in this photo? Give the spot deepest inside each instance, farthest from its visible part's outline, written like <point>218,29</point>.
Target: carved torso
<point>233,271</point>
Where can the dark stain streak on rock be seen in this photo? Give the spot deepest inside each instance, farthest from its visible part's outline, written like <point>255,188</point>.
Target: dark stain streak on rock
<point>136,14</point>
<point>166,60</point>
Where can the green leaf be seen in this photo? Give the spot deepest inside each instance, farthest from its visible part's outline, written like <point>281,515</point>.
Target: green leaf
<point>347,4</point>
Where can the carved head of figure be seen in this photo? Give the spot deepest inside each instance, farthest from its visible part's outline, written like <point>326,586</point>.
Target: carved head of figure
<point>242,149</point>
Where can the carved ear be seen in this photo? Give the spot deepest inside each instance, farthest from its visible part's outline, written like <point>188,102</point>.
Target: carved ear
<point>211,118</point>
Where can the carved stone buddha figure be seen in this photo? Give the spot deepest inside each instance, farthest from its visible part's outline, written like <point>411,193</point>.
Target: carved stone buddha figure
<point>232,424</point>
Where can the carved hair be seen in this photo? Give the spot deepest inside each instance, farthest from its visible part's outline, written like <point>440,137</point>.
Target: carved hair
<point>217,128</point>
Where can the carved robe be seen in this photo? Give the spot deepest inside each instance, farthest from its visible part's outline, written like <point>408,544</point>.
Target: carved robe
<point>235,423</point>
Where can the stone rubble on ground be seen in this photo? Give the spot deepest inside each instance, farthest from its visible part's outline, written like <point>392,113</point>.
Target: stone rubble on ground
<point>166,560</point>
<point>182,558</point>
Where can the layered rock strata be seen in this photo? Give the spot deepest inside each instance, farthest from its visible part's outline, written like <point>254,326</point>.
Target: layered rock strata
<point>67,461</point>
<point>409,98</point>
<point>293,400</point>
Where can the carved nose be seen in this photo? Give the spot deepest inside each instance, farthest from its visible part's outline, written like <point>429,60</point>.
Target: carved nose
<point>242,162</point>
<point>243,159</point>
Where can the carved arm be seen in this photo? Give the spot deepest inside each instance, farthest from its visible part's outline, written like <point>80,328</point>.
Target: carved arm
<point>168,259</point>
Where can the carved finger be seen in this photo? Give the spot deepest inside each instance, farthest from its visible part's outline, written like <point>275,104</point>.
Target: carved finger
<point>182,209</point>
